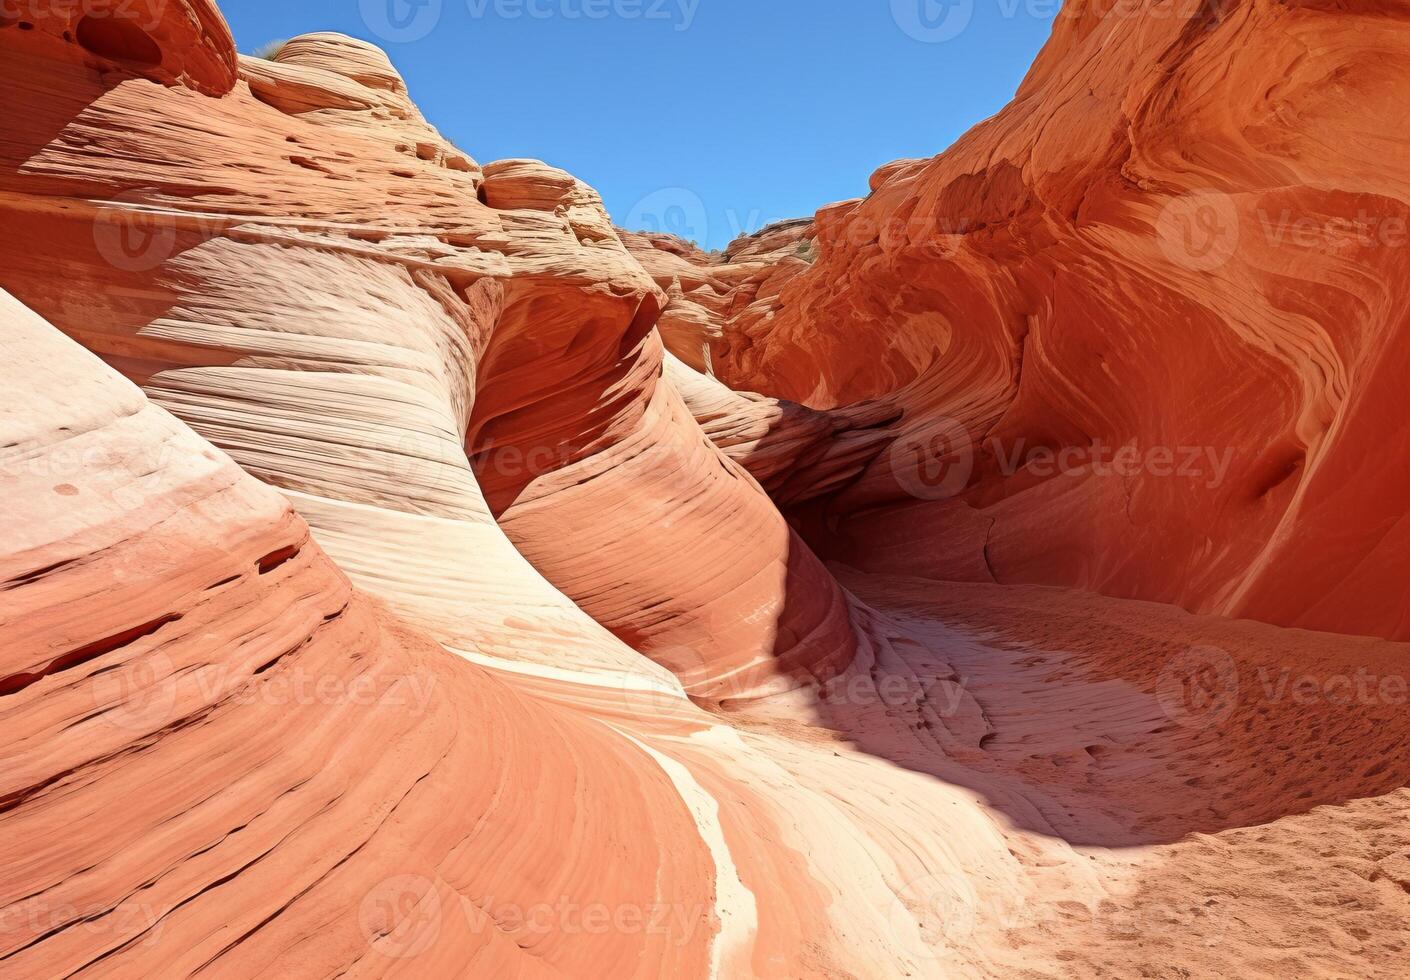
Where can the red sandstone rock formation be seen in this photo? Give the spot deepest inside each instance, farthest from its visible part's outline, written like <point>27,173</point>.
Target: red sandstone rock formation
<point>394,587</point>
<point>706,298</point>
<point>255,766</point>
<point>281,236</point>
<point>1145,323</point>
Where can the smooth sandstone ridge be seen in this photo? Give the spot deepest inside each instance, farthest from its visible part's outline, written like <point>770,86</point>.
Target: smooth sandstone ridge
<point>257,766</point>
<point>397,578</point>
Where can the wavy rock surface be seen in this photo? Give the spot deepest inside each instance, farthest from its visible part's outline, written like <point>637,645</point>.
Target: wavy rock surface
<point>180,620</point>
<point>250,326</point>
<point>525,674</point>
<point>284,776</point>
<point>249,273</point>
<point>736,294</point>
<point>1147,323</point>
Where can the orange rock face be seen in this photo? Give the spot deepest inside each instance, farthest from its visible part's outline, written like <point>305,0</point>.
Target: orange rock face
<point>184,42</point>
<point>1146,323</point>
<point>397,578</point>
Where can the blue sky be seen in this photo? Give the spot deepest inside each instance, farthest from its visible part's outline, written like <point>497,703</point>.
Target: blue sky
<point>704,117</point>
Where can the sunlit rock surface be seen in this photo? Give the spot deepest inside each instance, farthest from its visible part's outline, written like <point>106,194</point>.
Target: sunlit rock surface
<point>1147,323</point>
<point>399,582</point>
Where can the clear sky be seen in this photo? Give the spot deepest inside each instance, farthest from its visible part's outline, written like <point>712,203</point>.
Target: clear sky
<point>707,118</point>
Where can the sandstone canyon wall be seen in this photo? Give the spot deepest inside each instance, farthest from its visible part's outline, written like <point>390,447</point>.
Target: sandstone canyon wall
<point>396,583</point>
<point>1147,324</point>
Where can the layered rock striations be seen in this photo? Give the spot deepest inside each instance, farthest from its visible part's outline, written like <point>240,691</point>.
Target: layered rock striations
<point>397,583</point>
<point>1145,323</point>
<point>256,765</point>
<point>275,242</point>
<point>446,369</point>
